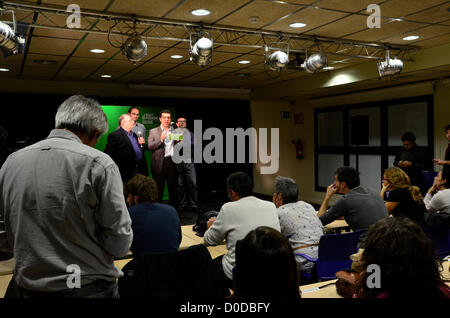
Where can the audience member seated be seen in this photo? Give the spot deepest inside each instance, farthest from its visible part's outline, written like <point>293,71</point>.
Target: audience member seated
<point>156,226</point>
<point>360,206</point>
<point>298,221</point>
<point>403,199</point>
<point>236,219</point>
<point>440,201</point>
<point>407,263</point>
<point>265,267</point>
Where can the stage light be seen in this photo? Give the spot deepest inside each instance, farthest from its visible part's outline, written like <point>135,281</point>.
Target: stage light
<point>277,55</point>
<point>201,51</point>
<point>134,48</point>
<point>315,62</point>
<point>389,67</point>
<point>277,60</point>
<point>11,40</point>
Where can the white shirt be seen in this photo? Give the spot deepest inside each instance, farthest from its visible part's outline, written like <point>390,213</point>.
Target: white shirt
<point>168,144</point>
<point>301,226</point>
<point>439,202</point>
<point>235,220</point>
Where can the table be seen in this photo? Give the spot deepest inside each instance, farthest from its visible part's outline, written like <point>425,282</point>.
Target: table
<point>337,226</point>
<point>313,290</point>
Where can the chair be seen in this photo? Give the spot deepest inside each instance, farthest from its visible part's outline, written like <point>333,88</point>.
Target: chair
<point>437,228</point>
<point>334,255</point>
<point>185,274</point>
<point>427,179</point>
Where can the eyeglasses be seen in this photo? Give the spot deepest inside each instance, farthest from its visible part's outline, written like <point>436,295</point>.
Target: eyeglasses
<point>181,121</point>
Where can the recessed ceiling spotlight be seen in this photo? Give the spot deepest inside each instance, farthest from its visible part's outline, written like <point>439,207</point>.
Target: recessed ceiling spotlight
<point>97,51</point>
<point>4,69</point>
<point>397,19</point>
<point>105,76</point>
<point>411,38</point>
<point>328,68</point>
<point>200,12</point>
<point>45,62</point>
<point>297,25</point>
<point>244,62</point>
<point>253,19</point>
<point>176,56</point>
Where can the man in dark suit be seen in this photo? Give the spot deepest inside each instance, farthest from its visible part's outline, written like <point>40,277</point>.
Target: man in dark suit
<point>123,147</point>
<point>162,167</point>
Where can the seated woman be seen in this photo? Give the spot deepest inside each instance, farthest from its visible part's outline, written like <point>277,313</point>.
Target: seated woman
<point>439,202</point>
<point>407,263</point>
<point>265,266</point>
<point>403,199</point>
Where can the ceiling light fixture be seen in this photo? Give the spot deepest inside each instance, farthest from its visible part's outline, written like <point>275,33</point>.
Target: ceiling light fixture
<point>45,62</point>
<point>411,38</point>
<point>134,48</point>
<point>328,68</point>
<point>389,67</point>
<point>11,42</point>
<point>201,51</point>
<point>4,69</point>
<point>105,76</point>
<point>297,25</point>
<point>315,62</point>
<point>277,56</point>
<point>244,62</point>
<point>176,56</point>
<point>200,12</point>
<point>97,51</point>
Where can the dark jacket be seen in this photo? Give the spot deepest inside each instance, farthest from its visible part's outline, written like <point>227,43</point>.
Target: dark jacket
<point>120,149</point>
<point>188,274</point>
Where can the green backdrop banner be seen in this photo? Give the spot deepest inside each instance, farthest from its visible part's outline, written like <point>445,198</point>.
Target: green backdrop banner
<point>149,117</point>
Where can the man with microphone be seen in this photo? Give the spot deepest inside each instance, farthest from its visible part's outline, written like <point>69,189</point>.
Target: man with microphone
<point>162,167</point>
<point>139,129</point>
<point>123,147</point>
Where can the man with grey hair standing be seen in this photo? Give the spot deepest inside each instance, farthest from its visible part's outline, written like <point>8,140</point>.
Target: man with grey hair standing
<point>298,221</point>
<point>62,209</point>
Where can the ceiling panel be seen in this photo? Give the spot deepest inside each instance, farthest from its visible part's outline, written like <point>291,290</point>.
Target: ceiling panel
<point>386,30</point>
<point>402,8</point>
<point>347,5</point>
<point>84,4</point>
<point>433,15</point>
<point>312,17</point>
<point>143,8</point>
<point>267,12</point>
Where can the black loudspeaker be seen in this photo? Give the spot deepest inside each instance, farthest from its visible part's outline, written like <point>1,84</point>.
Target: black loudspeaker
<point>359,130</point>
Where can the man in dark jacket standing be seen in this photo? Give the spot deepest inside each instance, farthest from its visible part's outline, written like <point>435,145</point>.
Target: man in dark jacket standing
<point>124,149</point>
<point>411,159</point>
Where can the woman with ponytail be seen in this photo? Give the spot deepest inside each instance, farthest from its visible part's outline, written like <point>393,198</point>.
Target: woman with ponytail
<point>403,200</point>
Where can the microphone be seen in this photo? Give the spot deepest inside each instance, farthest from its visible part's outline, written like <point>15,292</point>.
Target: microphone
<point>140,135</point>
<point>172,124</point>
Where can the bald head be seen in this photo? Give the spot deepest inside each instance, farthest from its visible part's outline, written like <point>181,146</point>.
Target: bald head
<point>126,122</point>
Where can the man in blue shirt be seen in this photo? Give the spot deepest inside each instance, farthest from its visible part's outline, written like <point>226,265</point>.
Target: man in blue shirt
<point>156,226</point>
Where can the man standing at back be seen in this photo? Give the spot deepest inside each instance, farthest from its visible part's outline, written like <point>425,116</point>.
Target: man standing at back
<point>360,206</point>
<point>62,209</point>
<point>235,219</point>
<point>138,129</point>
<point>411,159</point>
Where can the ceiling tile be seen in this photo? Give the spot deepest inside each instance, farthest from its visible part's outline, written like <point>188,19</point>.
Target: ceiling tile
<point>401,8</point>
